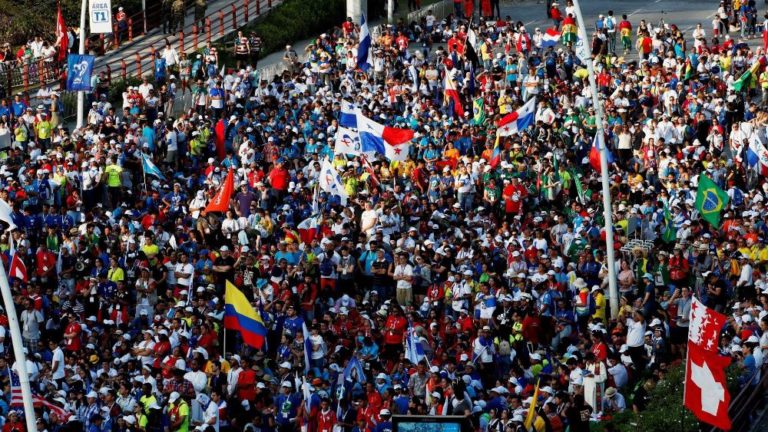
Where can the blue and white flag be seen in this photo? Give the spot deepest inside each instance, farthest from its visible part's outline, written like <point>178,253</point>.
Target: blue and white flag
<point>150,168</point>
<point>79,71</point>
<point>330,181</point>
<point>354,371</point>
<point>307,348</point>
<point>348,116</point>
<point>414,351</point>
<point>347,142</point>
<point>364,47</point>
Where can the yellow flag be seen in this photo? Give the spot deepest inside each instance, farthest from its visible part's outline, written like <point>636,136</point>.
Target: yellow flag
<point>532,410</point>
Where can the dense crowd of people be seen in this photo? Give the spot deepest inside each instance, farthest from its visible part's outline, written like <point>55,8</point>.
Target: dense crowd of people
<point>455,282</point>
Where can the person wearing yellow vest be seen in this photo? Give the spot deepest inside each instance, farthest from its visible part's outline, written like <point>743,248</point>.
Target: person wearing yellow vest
<point>21,133</point>
<point>113,173</point>
<point>43,130</point>
<point>764,85</point>
<point>178,411</point>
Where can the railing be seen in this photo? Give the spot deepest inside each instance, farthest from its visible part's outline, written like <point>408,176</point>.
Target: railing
<point>440,10</point>
<point>743,406</point>
<point>22,76</point>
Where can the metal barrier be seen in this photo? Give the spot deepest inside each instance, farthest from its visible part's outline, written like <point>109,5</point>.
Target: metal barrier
<point>439,9</point>
<point>743,405</point>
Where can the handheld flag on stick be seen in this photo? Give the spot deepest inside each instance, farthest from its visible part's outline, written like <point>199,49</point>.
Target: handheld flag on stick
<point>241,316</point>
<point>710,200</point>
<point>150,168</point>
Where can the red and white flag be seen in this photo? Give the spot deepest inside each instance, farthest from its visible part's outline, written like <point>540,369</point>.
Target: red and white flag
<point>18,269</point>
<point>706,386</point>
<point>705,326</point>
<point>62,39</point>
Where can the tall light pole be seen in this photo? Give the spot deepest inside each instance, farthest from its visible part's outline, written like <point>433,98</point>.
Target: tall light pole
<point>81,51</point>
<point>613,292</point>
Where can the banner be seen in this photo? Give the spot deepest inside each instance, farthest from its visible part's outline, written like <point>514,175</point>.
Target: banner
<point>79,70</point>
<point>100,16</point>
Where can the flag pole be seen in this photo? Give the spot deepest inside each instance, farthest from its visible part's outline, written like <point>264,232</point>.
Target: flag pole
<point>613,293</point>
<point>18,351</point>
<point>81,51</point>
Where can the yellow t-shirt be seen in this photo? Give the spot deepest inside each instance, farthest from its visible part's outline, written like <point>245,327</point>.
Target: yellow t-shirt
<point>116,275</point>
<point>113,175</point>
<point>599,307</point>
<point>150,250</point>
<point>43,129</point>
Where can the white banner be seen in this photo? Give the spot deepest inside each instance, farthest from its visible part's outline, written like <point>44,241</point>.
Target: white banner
<point>100,16</point>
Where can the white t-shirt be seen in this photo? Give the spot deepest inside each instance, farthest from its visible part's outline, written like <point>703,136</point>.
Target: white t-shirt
<point>58,358</point>
<point>185,268</point>
<point>403,270</point>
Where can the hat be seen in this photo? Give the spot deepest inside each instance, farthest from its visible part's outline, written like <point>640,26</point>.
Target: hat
<point>285,365</point>
<point>174,397</point>
<point>92,394</point>
<point>610,392</point>
<point>384,412</point>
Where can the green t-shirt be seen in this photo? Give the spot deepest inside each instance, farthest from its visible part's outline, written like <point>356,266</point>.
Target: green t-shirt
<point>183,412</point>
<point>113,175</point>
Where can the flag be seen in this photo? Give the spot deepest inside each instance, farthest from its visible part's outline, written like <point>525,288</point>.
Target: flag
<point>579,187</point>
<point>5,214</point>
<point>757,155</point>
<point>220,202</point>
<point>595,154</point>
<point>62,39</point>
<point>397,153</point>
<point>705,325</point>
<point>348,115</point>
<point>748,79</point>
<point>373,135</point>
<point>364,46</point>
<point>519,120</point>
<point>308,229</point>
<point>472,80</point>
<point>551,37</point>
<point>241,316</point>
<point>79,71</point>
<point>290,236</point>
<point>532,410</point>
<point>470,52</point>
<point>453,94</point>
<point>330,181</point>
<point>496,155</point>
<point>354,367</point>
<point>18,269</point>
<point>414,351</point>
<point>347,142</point>
<point>150,168</point>
<point>688,72</point>
<point>307,348</point>
<point>569,32</point>
<point>478,111</point>
<point>371,172</point>
<point>219,137</point>
<point>669,233</point>
<point>17,400</point>
<point>172,242</point>
<point>706,386</point>
<point>710,200</point>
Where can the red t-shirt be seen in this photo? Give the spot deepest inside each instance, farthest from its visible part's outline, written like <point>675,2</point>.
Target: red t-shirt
<point>278,178</point>
<point>73,344</point>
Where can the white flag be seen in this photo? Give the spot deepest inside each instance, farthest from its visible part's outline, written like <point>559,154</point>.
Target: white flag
<point>347,142</point>
<point>5,214</point>
<point>398,152</point>
<point>330,181</point>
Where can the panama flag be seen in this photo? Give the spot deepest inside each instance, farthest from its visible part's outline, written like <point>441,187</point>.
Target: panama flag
<point>348,116</point>
<point>551,37</point>
<point>330,181</point>
<point>594,154</point>
<point>347,142</point>
<point>150,168</point>
<point>414,351</point>
<point>757,154</point>
<point>453,94</point>
<point>519,120</point>
<point>365,45</point>
<point>397,153</point>
<point>373,135</point>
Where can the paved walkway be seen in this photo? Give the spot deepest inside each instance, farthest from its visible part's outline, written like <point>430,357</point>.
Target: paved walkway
<point>156,39</point>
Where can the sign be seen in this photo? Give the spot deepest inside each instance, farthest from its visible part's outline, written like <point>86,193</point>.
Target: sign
<point>101,16</point>
<point>581,48</point>
<point>79,70</point>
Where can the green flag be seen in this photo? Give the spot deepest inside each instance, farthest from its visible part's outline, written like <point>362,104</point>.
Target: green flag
<point>478,111</point>
<point>579,186</point>
<point>670,232</point>
<point>710,200</point>
<point>748,79</point>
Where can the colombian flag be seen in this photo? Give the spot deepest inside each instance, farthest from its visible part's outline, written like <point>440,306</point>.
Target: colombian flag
<point>496,155</point>
<point>241,316</point>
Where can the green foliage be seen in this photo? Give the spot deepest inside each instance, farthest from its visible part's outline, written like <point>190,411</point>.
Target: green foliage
<point>21,20</point>
<point>289,22</point>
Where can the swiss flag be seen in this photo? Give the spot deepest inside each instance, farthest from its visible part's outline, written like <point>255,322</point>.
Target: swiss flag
<point>705,326</point>
<point>706,386</point>
<point>18,270</point>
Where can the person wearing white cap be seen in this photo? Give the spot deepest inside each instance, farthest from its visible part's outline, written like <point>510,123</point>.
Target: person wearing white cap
<point>178,413</point>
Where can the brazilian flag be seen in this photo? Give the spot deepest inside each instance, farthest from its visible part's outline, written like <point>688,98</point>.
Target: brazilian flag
<point>710,200</point>
<point>478,111</point>
<point>670,232</point>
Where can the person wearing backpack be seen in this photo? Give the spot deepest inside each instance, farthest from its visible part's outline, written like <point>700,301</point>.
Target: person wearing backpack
<point>328,261</point>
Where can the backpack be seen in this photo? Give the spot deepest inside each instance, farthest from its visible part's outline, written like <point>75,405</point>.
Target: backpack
<point>609,23</point>
<point>326,266</point>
